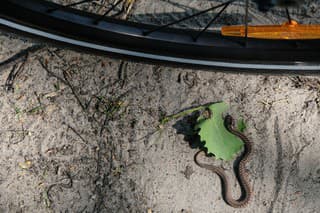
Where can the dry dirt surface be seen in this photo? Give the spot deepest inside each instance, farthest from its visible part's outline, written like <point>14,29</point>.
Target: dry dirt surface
<point>80,133</point>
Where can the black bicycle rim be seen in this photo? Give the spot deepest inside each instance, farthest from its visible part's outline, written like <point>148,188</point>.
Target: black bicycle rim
<point>77,28</point>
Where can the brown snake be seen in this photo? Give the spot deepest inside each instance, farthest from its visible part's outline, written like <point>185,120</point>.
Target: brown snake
<point>241,173</point>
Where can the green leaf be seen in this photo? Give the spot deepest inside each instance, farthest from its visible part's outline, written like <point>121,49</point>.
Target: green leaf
<point>218,140</point>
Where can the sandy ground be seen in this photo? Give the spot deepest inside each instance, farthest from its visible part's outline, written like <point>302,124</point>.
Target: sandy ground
<point>79,133</point>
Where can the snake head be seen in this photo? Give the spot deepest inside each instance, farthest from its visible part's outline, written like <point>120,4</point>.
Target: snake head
<point>228,120</point>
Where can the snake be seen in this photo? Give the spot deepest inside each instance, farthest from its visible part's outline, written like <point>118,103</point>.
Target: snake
<point>239,170</point>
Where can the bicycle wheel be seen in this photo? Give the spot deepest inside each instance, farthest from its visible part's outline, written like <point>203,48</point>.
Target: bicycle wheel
<point>67,23</point>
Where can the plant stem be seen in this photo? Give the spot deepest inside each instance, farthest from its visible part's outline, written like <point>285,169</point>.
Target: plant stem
<point>183,113</point>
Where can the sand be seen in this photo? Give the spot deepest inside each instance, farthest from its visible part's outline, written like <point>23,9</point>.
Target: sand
<point>80,133</point>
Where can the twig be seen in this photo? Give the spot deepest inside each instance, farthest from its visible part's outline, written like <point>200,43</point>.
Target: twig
<point>122,73</point>
<point>21,133</point>
<point>61,184</point>
<point>15,71</point>
<point>73,91</point>
<point>19,57</point>
<point>65,81</point>
<point>77,133</point>
<point>9,82</point>
<point>52,73</point>
<point>166,119</point>
<point>127,8</point>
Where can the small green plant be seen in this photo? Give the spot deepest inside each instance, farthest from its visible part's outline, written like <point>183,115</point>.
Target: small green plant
<point>17,110</point>
<point>56,86</point>
<point>241,125</point>
<point>35,110</point>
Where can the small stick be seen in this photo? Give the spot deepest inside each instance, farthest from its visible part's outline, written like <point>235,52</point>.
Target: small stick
<point>19,57</point>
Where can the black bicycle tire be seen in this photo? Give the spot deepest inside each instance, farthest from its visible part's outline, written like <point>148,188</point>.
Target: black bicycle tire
<point>124,38</point>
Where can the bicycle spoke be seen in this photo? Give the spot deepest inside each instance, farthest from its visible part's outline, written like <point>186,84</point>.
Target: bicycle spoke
<point>246,17</point>
<point>145,33</point>
<point>108,11</point>
<point>288,15</point>
<point>70,5</point>
<point>211,22</point>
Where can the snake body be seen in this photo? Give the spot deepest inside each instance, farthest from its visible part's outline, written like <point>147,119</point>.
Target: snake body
<point>240,171</point>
